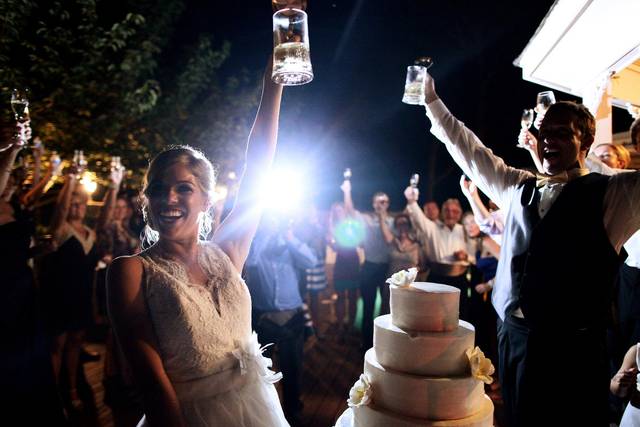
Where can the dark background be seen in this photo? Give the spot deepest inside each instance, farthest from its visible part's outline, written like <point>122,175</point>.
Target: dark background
<point>351,114</point>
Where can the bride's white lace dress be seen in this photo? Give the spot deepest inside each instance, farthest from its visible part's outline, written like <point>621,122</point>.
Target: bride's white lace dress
<point>208,350</point>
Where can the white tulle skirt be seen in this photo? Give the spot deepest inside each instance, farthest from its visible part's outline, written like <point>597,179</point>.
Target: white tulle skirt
<point>243,395</point>
<point>631,417</point>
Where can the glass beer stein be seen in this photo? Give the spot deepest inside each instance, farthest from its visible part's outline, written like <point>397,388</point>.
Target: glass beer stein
<point>414,85</point>
<point>291,58</point>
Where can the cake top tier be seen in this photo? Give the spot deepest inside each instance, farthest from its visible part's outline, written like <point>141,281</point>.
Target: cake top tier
<point>425,306</point>
<point>430,287</point>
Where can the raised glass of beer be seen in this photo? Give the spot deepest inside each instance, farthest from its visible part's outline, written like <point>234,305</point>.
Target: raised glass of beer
<point>291,59</point>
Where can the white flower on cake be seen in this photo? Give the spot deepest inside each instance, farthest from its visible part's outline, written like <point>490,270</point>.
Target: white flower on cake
<point>360,393</point>
<point>403,278</point>
<point>481,367</point>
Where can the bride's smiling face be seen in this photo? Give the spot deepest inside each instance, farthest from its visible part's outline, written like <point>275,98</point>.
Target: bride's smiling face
<point>176,201</point>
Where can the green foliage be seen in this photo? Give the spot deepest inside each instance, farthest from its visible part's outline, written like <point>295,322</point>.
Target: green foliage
<point>100,80</point>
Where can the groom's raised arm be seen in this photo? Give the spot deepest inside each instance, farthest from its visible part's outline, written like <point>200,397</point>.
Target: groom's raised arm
<point>488,171</point>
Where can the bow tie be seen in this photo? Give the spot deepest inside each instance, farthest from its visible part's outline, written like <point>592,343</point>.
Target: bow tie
<point>542,180</point>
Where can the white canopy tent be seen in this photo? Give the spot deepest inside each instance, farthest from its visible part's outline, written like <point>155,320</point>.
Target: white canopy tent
<point>590,49</point>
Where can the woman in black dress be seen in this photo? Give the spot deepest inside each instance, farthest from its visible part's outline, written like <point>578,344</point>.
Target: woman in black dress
<point>68,276</point>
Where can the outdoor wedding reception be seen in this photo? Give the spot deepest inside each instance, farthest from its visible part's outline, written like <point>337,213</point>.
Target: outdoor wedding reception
<point>320,213</point>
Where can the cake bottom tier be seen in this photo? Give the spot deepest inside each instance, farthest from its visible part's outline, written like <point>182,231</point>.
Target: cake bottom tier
<point>433,398</point>
<point>371,416</point>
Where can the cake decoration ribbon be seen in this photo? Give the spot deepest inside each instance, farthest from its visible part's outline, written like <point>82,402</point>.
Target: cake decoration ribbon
<point>360,393</point>
<point>403,278</point>
<point>481,366</point>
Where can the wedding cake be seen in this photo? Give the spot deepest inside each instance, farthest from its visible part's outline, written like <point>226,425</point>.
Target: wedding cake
<point>423,369</point>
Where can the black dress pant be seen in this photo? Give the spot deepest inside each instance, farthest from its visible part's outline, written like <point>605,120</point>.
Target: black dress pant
<point>372,276</point>
<point>289,341</point>
<point>553,377</point>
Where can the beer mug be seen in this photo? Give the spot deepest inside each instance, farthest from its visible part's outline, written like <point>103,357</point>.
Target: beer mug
<point>414,85</point>
<point>291,58</point>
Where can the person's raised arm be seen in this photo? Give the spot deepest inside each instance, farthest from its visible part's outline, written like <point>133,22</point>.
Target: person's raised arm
<point>489,172</point>
<point>63,203</point>
<point>349,208</point>
<point>237,230</point>
<point>529,142</point>
<point>9,149</point>
<point>470,191</point>
<point>303,256</point>
<point>109,201</point>
<point>423,225</point>
<point>33,195</point>
<point>134,332</point>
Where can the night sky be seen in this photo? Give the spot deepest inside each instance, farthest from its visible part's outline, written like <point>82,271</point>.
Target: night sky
<point>351,115</point>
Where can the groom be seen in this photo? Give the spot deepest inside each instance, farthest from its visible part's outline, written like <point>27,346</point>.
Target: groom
<point>557,264</point>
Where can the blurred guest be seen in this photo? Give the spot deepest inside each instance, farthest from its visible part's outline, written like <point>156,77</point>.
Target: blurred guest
<point>278,315</point>
<point>28,382</point>
<point>115,239</point>
<point>405,249</point>
<point>347,235</point>
<point>313,232</point>
<point>376,253</point>
<point>68,276</point>
<point>613,155</point>
<point>432,210</point>
<point>446,245</point>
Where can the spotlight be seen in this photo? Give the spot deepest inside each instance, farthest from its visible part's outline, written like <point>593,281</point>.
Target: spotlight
<point>282,191</point>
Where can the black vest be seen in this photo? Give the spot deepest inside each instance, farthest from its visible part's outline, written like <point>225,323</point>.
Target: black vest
<point>566,276</point>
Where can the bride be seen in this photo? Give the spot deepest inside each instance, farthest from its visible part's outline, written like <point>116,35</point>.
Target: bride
<point>180,309</point>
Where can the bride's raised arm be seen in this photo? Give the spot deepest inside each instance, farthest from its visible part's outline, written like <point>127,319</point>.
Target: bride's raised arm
<point>236,232</point>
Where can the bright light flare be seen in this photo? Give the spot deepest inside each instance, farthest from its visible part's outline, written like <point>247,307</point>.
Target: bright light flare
<point>88,182</point>
<point>220,193</point>
<point>282,191</point>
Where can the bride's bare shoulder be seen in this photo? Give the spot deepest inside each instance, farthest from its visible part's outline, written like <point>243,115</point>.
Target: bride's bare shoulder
<point>125,271</point>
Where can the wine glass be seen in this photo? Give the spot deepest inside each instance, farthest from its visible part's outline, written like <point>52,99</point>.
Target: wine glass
<point>527,118</point>
<point>20,103</point>
<point>544,101</point>
<point>526,121</point>
<point>415,179</point>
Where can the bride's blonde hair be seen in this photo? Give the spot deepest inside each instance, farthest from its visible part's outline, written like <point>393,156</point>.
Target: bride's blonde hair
<point>198,165</point>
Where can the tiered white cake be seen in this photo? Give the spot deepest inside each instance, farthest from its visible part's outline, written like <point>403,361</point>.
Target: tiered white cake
<point>418,372</point>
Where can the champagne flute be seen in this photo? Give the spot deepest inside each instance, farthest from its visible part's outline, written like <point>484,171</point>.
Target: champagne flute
<point>20,104</point>
<point>347,174</point>
<point>20,107</point>
<point>415,179</point>
<point>526,121</point>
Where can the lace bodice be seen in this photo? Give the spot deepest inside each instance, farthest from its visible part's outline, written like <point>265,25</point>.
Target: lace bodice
<point>197,327</point>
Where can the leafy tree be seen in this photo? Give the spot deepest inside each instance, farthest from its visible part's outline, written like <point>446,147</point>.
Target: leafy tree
<point>105,81</point>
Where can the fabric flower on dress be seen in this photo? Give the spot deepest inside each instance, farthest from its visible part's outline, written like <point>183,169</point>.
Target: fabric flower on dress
<point>360,393</point>
<point>481,367</point>
<point>403,278</point>
<point>251,359</point>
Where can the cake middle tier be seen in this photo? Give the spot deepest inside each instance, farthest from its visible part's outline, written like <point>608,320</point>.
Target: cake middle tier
<point>436,354</point>
<point>423,397</point>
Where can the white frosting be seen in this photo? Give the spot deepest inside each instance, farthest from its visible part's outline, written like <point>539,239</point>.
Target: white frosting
<point>423,397</point>
<point>373,416</point>
<point>436,354</point>
<point>425,307</point>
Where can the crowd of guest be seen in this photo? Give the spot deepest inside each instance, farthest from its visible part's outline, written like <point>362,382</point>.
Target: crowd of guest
<point>54,280</point>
